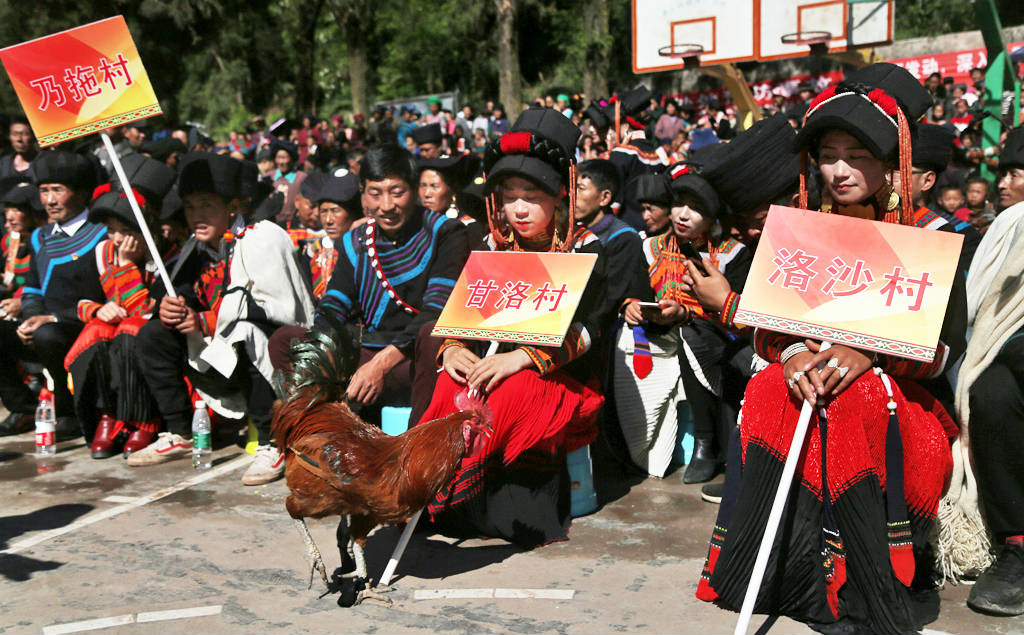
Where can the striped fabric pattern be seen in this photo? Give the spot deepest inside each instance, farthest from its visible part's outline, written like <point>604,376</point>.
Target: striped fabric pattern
<point>209,289</point>
<point>21,264</point>
<point>52,250</point>
<point>321,264</point>
<point>400,263</point>
<point>124,285</point>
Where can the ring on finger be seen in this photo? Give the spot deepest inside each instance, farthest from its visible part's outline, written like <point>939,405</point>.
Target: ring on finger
<point>797,375</point>
<point>833,363</point>
<point>843,370</point>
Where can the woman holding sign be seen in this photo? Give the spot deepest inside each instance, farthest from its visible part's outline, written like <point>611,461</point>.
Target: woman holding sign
<point>544,399</point>
<point>852,551</point>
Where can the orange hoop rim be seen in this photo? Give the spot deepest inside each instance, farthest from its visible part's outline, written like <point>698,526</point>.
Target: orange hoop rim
<point>807,38</point>
<point>681,51</point>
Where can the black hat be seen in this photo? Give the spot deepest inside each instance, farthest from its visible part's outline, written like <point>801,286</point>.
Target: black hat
<point>270,207</point>
<point>280,144</point>
<point>163,148</point>
<point>208,172</point>
<point>634,102</point>
<point>342,189</point>
<point>540,146</point>
<point>248,180</point>
<point>455,170</point>
<point>598,115</point>
<point>113,204</point>
<point>311,185</point>
<point>756,167</point>
<point>68,168</point>
<point>868,111</point>
<point>932,147</point>
<point>1013,150</point>
<point>172,206</point>
<point>23,195</point>
<point>196,138</point>
<point>683,179</point>
<point>151,177</point>
<point>652,188</point>
<point>430,133</point>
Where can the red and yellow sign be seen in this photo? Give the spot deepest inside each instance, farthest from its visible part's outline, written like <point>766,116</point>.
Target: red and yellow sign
<point>80,81</point>
<point>866,284</point>
<point>516,296</point>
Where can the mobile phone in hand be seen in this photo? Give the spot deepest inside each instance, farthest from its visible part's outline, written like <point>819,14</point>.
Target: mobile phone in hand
<point>691,252</point>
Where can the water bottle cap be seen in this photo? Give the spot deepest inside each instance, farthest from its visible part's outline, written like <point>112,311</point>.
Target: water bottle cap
<point>45,394</point>
<point>200,404</point>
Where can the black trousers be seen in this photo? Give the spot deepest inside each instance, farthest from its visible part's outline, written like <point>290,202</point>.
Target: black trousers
<point>997,438</point>
<point>51,342</point>
<point>163,355</point>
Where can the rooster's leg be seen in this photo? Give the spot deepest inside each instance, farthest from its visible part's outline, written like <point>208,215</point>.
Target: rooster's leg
<point>316,561</point>
<point>368,593</point>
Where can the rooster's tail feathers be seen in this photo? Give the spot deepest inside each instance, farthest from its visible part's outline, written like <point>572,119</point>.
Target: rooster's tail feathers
<point>322,365</point>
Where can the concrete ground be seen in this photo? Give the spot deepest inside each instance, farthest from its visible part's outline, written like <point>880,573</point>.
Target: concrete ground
<point>167,549</point>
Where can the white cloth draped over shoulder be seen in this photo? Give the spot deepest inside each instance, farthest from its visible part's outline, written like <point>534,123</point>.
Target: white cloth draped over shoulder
<point>264,269</point>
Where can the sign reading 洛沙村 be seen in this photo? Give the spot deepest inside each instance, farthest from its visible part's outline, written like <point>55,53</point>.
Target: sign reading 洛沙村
<point>516,296</point>
<point>866,284</point>
<point>80,81</point>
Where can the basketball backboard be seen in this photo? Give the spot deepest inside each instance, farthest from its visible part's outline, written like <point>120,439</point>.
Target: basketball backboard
<point>746,30</point>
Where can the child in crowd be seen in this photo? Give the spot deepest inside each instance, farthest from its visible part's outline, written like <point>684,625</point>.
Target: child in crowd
<point>952,199</point>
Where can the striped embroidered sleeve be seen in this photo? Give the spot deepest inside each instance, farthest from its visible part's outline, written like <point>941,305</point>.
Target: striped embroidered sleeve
<point>132,292</point>
<point>911,369</point>
<point>548,359</point>
<point>769,344</point>
<point>87,309</point>
<point>728,314</point>
<point>207,321</point>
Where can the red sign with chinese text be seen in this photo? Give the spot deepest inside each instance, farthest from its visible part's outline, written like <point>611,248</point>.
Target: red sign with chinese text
<point>516,296</point>
<point>80,81</point>
<point>866,284</point>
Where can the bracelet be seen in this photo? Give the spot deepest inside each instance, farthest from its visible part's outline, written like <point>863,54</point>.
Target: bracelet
<point>792,351</point>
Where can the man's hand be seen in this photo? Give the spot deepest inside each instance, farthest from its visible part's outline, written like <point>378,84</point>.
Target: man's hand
<point>190,324</point>
<point>29,326</point>
<point>10,308</point>
<point>671,312</point>
<point>172,311</point>
<point>111,313</point>
<point>633,314</point>
<point>367,383</point>
<point>711,290</point>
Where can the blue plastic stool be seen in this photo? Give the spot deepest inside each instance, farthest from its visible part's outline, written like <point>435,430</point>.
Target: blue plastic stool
<point>394,421</point>
<point>581,477</point>
<point>684,436</point>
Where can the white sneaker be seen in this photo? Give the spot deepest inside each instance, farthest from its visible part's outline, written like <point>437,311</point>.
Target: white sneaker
<point>167,447</point>
<point>268,466</point>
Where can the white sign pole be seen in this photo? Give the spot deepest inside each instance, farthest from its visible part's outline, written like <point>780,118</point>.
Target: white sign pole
<point>143,225</point>
<point>774,518</point>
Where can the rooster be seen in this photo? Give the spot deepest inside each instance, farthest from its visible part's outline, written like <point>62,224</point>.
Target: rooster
<point>337,464</point>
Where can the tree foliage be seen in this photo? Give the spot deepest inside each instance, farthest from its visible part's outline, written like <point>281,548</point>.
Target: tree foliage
<point>220,62</point>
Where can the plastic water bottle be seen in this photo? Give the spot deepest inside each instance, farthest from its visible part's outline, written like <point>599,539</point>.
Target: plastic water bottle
<point>202,446</point>
<point>46,435</point>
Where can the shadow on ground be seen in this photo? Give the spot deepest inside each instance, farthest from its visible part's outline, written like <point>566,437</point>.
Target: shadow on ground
<point>19,568</point>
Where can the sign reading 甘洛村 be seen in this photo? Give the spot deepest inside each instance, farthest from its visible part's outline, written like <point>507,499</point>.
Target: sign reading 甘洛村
<point>516,296</point>
<point>866,284</point>
<point>80,81</point>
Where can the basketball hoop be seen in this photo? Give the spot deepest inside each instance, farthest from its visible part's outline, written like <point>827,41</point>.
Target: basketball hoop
<point>816,40</point>
<point>689,53</point>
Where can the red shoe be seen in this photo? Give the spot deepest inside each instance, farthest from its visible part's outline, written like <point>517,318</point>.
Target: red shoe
<point>142,435</point>
<point>108,438</point>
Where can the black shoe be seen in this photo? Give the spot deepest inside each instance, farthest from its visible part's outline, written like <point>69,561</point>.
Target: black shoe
<point>67,428</point>
<point>702,465</point>
<point>16,423</point>
<point>712,492</point>
<point>1000,589</point>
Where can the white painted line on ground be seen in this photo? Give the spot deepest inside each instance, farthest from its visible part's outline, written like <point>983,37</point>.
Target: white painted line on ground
<point>201,477</point>
<point>506,594</point>
<point>178,614</point>
<point>115,498</point>
<point>87,625</point>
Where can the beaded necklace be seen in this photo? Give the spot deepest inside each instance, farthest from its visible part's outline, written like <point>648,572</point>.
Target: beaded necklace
<point>371,251</point>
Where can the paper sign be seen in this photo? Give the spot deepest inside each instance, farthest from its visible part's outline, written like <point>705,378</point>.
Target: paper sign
<point>80,81</point>
<point>866,284</point>
<point>516,296</point>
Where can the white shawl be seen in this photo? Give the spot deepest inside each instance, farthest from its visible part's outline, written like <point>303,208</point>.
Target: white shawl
<point>997,311</point>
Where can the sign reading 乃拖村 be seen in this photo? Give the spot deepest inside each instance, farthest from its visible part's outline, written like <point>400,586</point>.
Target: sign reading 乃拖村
<point>516,296</point>
<point>80,81</point>
<point>866,284</point>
